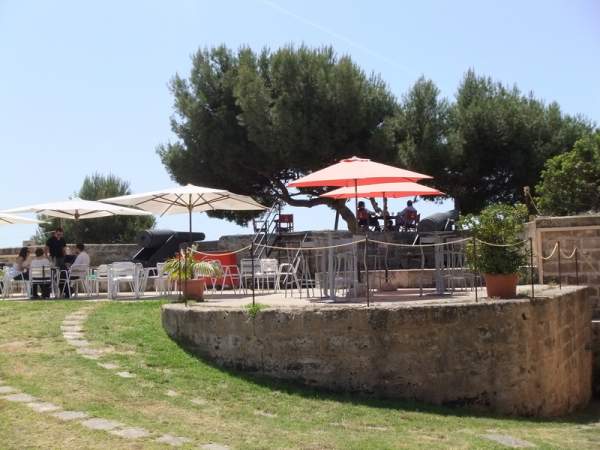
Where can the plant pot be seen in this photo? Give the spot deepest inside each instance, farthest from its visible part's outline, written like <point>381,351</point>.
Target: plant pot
<point>501,285</point>
<point>193,289</point>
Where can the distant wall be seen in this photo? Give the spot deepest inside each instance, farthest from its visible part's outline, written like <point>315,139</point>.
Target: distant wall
<point>517,357</point>
<point>582,232</point>
<point>99,253</point>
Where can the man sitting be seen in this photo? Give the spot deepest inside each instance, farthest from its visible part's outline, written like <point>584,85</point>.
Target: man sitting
<point>408,217</point>
<point>366,218</point>
<point>80,266</point>
<point>40,275</point>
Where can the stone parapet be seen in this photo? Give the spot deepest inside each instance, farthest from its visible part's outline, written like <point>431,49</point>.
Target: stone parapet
<point>517,357</point>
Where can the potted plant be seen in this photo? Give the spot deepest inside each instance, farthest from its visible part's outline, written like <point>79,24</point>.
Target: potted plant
<point>184,269</point>
<point>498,253</point>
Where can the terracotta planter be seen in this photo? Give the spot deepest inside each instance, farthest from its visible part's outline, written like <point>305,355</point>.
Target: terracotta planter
<point>501,285</point>
<point>193,289</point>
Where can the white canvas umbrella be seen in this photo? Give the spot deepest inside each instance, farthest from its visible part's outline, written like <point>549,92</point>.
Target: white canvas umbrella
<point>9,219</point>
<point>188,199</point>
<point>78,209</point>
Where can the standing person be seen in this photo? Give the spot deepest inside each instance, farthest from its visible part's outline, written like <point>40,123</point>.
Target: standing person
<point>56,248</point>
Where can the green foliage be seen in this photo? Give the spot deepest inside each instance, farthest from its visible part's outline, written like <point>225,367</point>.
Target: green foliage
<point>254,309</point>
<point>118,229</point>
<point>498,224</point>
<point>185,267</point>
<point>251,122</point>
<point>570,182</point>
<point>488,144</point>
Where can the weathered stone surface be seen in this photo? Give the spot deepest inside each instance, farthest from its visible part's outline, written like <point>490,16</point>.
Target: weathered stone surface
<point>131,433</point>
<point>125,374</point>
<point>109,366</point>
<point>42,407</point>
<point>175,441</point>
<point>78,342</point>
<point>70,415</point>
<point>508,441</point>
<point>519,357</point>
<point>20,398</point>
<point>171,393</point>
<point>101,424</point>
<point>7,390</point>
<point>213,446</point>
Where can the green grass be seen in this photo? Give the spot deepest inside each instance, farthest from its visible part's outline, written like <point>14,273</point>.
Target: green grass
<point>234,410</point>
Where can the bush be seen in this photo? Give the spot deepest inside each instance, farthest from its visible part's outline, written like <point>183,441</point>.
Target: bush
<point>498,224</point>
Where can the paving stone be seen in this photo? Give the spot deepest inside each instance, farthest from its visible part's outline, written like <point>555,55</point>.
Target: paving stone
<point>101,424</point>
<point>78,342</point>
<point>131,433</point>
<point>70,415</point>
<point>213,446</point>
<point>21,398</point>
<point>71,329</point>
<point>171,393</point>
<point>73,335</point>
<point>199,401</point>
<point>126,374</point>
<point>89,353</point>
<point>73,323</point>
<point>42,407</point>
<point>508,441</point>
<point>109,366</point>
<point>175,441</point>
<point>264,414</point>
<point>7,390</point>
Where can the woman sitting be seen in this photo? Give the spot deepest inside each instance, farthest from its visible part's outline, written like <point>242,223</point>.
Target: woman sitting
<point>20,267</point>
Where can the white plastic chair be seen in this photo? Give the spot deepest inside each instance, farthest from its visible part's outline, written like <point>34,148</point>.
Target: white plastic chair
<point>246,272</point>
<point>128,273</point>
<point>40,276</point>
<point>79,276</point>
<point>162,282</point>
<point>288,276</point>
<point>269,273</point>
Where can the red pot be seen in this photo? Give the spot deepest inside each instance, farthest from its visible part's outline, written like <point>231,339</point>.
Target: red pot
<point>193,289</point>
<point>501,285</point>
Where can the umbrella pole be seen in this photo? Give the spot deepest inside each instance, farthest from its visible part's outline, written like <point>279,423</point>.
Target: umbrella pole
<point>356,203</point>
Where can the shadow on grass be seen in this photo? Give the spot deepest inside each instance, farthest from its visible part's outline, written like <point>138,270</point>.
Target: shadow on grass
<point>591,414</point>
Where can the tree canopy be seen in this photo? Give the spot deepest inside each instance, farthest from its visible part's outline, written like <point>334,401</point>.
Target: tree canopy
<point>250,122</point>
<point>570,182</point>
<point>118,229</point>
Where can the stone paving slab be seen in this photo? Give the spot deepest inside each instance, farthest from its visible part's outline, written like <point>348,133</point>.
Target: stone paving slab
<point>101,424</point>
<point>70,415</point>
<point>213,446</point>
<point>7,390</point>
<point>508,441</point>
<point>42,407</point>
<point>126,374</point>
<point>199,401</point>
<point>175,441</point>
<point>171,393</point>
<point>131,433</point>
<point>73,335</point>
<point>109,366</point>
<point>78,342</point>
<point>20,398</point>
<point>71,329</point>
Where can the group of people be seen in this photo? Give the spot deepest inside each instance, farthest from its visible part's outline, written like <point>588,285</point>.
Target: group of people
<point>55,255</point>
<point>407,218</point>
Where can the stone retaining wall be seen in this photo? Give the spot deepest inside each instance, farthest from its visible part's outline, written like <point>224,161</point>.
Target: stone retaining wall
<point>517,357</point>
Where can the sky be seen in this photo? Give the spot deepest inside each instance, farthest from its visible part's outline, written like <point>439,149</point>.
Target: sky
<point>84,85</point>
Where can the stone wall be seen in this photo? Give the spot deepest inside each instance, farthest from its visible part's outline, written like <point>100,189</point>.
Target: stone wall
<point>581,232</point>
<point>517,357</point>
<point>99,253</point>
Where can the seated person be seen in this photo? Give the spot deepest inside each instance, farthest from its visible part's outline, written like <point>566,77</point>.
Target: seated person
<point>366,218</point>
<point>19,270</point>
<point>407,217</point>
<point>81,264</point>
<point>40,283</point>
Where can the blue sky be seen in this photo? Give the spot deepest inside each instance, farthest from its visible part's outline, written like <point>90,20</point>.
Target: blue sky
<point>83,85</point>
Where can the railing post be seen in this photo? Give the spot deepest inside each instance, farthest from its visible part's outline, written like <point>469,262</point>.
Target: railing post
<point>367,267</point>
<point>559,266</point>
<point>576,267</point>
<point>475,258</point>
<point>531,268</point>
<point>252,262</point>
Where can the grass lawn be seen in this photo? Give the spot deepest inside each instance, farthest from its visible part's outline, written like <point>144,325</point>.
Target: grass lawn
<point>207,404</point>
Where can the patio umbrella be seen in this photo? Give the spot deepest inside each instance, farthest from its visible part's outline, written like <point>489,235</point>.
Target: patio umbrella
<point>78,209</point>
<point>354,172</point>
<point>9,219</point>
<point>188,199</point>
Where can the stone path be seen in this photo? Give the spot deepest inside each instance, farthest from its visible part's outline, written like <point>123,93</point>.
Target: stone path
<point>73,332</point>
<point>508,441</point>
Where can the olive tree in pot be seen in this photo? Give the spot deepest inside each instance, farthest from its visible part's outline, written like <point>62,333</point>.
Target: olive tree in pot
<point>499,252</point>
<point>185,269</point>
